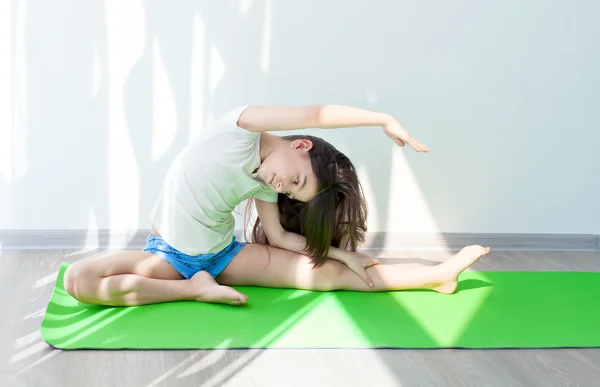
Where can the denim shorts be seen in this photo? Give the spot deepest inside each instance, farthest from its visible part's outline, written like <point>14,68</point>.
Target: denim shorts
<point>188,265</point>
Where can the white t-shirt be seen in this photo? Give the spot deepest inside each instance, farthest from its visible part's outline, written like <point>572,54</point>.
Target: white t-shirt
<point>207,180</point>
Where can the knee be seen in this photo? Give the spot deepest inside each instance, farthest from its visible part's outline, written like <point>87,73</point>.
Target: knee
<point>74,281</point>
<point>328,277</point>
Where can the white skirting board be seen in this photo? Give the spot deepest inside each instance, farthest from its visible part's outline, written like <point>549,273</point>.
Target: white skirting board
<point>135,240</point>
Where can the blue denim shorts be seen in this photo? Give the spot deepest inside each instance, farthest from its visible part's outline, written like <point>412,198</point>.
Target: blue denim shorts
<point>188,265</point>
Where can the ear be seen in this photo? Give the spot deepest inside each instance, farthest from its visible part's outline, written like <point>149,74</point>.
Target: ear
<point>303,144</point>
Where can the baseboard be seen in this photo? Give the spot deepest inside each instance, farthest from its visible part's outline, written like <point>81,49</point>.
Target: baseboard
<point>135,240</point>
<point>498,241</point>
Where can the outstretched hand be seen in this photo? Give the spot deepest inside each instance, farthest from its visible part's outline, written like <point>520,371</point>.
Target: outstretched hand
<point>358,263</point>
<point>401,136</point>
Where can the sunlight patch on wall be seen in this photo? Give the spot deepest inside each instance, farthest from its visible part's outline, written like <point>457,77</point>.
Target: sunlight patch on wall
<point>217,70</point>
<point>372,96</point>
<point>408,208</point>
<point>20,165</point>
<point>244,6</point>
<point>373,220</point>
<point>197,76</point>
<point>91,237</point>
<point>164,115</point>
<point>125,27</point>
<point>126,30</point>
<point>96,73</point>
<point>265,56</point>
<point>164,214</point>
<point>6,96</point>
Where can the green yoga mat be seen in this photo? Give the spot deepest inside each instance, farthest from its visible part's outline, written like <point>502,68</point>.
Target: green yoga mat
<point>489,310</point>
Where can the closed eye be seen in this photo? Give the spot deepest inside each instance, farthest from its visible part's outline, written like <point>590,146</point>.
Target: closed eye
<point>296,182</point>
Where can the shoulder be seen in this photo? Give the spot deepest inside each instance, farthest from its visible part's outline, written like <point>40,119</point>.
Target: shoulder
<point>228,124</point>
<point>231,117</point>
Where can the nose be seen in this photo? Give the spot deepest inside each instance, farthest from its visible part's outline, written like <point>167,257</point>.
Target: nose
<point>281,187</point>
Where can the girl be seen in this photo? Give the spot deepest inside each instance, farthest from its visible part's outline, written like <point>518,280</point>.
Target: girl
<point>311,218</point>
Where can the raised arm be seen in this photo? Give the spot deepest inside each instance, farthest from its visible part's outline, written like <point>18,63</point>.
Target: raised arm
<point>274,118</point>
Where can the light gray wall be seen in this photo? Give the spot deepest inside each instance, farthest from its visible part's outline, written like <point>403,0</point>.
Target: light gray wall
<point>98,97</point>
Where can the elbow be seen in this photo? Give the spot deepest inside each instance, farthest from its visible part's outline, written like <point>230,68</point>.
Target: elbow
<point>273,242</point>
<point>275,239</point>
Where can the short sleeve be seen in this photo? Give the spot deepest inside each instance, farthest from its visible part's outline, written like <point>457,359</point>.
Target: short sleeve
<point>229,123</point>
<point>267,195</point>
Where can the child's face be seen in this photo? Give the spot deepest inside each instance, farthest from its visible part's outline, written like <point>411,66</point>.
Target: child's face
<point>288,170</point>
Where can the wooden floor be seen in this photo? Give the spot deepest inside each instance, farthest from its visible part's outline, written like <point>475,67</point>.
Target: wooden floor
<point>27,278</point>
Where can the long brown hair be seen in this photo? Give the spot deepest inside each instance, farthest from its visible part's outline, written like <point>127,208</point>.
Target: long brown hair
<point>336,217</point>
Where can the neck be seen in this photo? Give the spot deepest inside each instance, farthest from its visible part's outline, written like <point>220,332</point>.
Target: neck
<point>268,143</point>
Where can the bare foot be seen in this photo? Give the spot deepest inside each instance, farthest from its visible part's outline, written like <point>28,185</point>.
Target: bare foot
<point>209,290</point>
<point>451,269</point>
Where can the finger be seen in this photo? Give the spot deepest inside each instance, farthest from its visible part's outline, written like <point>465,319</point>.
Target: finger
<point>418,146</point>
<point>366,278</point>
<point>423,147</point>
<point>414,144</point>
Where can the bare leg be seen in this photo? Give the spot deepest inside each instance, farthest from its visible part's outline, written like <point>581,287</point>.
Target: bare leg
<point>126,278</point>
<point>258,265</point>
